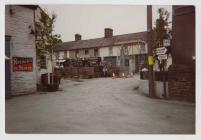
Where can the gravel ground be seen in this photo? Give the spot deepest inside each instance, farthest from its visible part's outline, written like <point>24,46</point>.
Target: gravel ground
<point>98,106</point>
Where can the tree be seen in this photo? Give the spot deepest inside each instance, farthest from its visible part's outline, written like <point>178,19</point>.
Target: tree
<point>46,40</point>
<point>161,32</point>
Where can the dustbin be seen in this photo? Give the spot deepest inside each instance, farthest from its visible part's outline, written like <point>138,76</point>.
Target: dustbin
<point>144,74</point>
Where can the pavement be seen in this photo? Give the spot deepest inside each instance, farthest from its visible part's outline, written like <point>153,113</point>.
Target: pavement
<point>98,106</point>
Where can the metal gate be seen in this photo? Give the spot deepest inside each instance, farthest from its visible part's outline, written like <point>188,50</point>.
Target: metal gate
<point>7,67</point>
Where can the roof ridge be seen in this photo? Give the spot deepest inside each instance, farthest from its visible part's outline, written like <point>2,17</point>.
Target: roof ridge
<point>100,42</point>
<point>105,38</point>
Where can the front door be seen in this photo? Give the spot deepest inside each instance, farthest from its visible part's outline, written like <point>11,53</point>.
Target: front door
<point>7,67</point>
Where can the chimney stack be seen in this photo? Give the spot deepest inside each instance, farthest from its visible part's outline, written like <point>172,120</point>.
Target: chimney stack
<point>78,37</point>
<point>108,32</point>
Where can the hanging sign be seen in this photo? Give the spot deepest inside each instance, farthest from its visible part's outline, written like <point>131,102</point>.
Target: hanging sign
<point>22,64</point>
<point>150,60</point>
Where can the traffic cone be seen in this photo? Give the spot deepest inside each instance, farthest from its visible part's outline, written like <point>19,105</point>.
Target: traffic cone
<point>113,75</point>
<point>123,76</point>
<point>132,75</point>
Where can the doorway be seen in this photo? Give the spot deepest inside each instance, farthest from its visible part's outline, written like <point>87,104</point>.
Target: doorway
<point>7,67</point>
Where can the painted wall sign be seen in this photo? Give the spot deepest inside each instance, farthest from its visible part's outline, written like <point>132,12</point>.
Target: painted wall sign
<point>22,64</point>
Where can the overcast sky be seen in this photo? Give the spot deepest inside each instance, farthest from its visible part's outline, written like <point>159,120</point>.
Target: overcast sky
<point>90,20</point>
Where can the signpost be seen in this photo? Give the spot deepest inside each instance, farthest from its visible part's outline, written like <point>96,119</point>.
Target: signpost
<point>162,57</point>
<point>150,52</point>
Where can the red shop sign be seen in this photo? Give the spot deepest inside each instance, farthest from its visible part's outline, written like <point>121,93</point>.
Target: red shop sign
<point>22,64</point>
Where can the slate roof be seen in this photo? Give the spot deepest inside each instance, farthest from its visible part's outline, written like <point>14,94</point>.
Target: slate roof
<point>30,6</point>
<point>101,42</point>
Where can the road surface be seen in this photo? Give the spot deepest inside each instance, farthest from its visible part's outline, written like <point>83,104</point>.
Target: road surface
<point>98,106</point>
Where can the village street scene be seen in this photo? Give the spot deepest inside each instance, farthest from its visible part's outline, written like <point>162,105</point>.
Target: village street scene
<point>97,73</point>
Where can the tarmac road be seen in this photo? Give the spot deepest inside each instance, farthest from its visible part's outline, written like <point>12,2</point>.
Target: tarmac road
<point>98,106</point>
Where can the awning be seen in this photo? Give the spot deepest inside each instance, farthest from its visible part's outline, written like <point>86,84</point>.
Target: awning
<point>144,69</point>
<point>7,58</point>
<point>60,61</point>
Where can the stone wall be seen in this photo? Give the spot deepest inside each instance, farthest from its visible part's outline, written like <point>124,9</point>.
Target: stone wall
<point>181,81</point>
<point>22,45</point>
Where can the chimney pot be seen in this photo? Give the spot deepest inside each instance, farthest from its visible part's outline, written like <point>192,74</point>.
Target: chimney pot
<point>108,32</point>
<point>78,37</point>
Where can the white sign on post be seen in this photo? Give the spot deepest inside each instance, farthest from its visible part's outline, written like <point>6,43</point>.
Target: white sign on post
<point>161,50</point>
<point>162,57</point>
<point>166,42</point>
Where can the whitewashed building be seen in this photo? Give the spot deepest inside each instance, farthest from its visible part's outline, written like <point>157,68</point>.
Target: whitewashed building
<point>23,72</point>
<point>20,49</point>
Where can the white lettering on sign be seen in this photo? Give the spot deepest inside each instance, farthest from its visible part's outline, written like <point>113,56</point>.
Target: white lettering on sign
<point>162,57</point>
<point>161,50</point>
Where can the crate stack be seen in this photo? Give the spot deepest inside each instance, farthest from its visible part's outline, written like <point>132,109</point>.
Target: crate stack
<point>67,73</point>
<point>88,72</point>
<point>98,71</point>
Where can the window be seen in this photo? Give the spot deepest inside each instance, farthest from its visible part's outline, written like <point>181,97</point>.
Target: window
<point>126,50</point>
<point>142,48</point>
<point>43,62</point>
<point>110,51</point>
<point>96,52</point>
<point>77,53</point>
<point>57,55</point>
<point>127,62</point>
<point>86,52</point>
<point>65,54</point>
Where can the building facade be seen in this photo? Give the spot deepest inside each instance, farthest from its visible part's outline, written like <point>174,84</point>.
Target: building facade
<point>20,49</point>
<point>23,69</point>
<point>181,74</point>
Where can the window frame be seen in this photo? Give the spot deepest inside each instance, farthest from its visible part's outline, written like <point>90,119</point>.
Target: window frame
<point>43,61</point>
<point>110,51</point>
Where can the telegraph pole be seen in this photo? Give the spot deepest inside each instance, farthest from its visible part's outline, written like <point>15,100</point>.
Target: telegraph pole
<point>150,52</point>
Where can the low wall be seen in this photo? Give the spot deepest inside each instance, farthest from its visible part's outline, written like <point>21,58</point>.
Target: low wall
<point>182,82</point>
<point>159,91</point>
